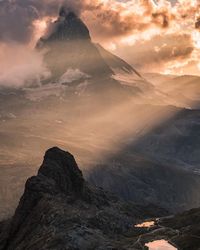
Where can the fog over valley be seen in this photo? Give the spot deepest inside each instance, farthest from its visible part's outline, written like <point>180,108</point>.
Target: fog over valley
<point>115,84</point>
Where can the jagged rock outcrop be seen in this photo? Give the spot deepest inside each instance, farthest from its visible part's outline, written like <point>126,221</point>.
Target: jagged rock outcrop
<point>69,27</point>
<point>59,210</point>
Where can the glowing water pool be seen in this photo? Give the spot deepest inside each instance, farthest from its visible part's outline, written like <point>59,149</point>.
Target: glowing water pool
<point>160,245</point>
<point>146,224</point>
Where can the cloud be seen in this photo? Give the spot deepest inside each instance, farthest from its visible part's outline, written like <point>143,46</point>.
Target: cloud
<point>17,16</point>
<point>72,75</point>
<point>113,22</point>
<point>159,52</point>
<point>20,66</point>
<point>107,19</point>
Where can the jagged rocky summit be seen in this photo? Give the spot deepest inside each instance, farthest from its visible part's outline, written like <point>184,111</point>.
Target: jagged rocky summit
<point>60,210</point>
<point>69,45</point>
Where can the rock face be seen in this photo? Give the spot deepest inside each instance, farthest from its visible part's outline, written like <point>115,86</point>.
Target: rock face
<point>59,210</point>
<point>69,27</point>
<point>116,63</point>
<point>61,167</point>
<point>132,176</point>
<point>69,45</point>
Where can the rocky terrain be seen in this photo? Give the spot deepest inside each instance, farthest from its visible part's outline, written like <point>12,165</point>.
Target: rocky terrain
<point>133,135</point>
<point>68,45</point>
<point>160,163</point>
<point>60,210</point>
<point>114,122</point>
<point>156,182</point>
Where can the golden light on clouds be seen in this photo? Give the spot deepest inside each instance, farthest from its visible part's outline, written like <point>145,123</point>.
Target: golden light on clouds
<point>127,27</point>
<point>40,28</point>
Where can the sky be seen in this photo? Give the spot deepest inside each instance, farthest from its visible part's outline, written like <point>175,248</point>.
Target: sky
<point>153,35</point>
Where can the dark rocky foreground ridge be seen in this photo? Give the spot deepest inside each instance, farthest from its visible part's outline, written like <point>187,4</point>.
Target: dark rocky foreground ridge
<point>59,210</point>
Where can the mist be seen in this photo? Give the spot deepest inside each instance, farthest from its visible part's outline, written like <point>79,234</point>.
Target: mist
<point>93,128</point>
<point>20,66</point>
<point>86,106</point>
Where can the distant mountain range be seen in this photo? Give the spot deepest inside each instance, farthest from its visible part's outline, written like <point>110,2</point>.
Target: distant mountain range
<point>185,89</point>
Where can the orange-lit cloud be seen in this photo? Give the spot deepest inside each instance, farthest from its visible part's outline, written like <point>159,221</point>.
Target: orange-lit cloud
<point>159,50</point>
<point>153,35</point>
<point>120,25</point>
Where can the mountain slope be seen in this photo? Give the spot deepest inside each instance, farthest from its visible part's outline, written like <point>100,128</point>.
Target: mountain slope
<point>69,45</point>
<point>134,176</point>
<point>115,62</point>
<point>59,210</point>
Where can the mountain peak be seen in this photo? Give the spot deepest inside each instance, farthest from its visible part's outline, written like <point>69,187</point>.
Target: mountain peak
<point>61,167</point>
<point>69,46</point>
<point>71,15</point>
<point>68,14</point>
<point>62,12</point>
<point>68,27</point>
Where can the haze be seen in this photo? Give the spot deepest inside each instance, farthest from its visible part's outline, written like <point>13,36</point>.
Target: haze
<point>105,113</point>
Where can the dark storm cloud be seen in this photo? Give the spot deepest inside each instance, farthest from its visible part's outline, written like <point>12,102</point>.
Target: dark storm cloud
<point>17,16</point>
<point>105,19</point>
<point>109,19</point>
<point>16,21</point>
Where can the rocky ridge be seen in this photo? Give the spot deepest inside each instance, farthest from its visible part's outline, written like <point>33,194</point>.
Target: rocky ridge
<point>68,44</point>
<point>60,210</point>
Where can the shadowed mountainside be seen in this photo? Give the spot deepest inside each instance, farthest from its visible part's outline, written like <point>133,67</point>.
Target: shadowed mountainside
<point>69,45</point>
<point>117,113</point>
<point>59,210</point>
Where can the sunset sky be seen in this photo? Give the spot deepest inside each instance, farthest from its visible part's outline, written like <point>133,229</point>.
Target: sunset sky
<point>155,36</point>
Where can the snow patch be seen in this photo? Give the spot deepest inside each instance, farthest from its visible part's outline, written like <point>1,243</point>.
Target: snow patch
<point>72,75</point>
<point>39,93</point>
